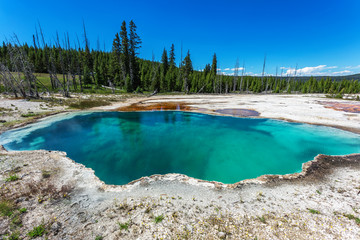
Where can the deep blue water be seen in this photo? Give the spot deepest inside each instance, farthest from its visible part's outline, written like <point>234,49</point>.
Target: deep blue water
<point>124,146</point>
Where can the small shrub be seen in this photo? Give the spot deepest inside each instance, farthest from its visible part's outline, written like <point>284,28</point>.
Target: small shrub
<point>37,231</point>
<point>14,236</point>
<point>45,174</point>
<point>352,217</point>
<point>262,219</point>
<point>22,210</point>
<point>89,104</point>
<point>29,115</point>
<point>65,190</point>
<point>16,220</point>
<point>349,216</point>
<point>33,188</point>
<point>147,210</point>
<point>159,218</point>
<point>6,208</point>
<point>2,109</point>
<point>99,238</point>
<point>339,95</point>
<point>138,90</point>
<point>49,190</point>
<point>12,178</point>
<point>313,211</point>
<point>124,226</point>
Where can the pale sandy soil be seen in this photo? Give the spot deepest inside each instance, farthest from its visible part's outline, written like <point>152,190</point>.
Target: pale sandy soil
<point>12,110</point>
<point>322,202</point>
<point>19,112</point>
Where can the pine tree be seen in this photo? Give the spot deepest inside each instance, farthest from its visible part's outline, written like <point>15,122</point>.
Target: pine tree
<point>124,57</point>
<point>164,61</point>
<point>114,68</point>
<point>134,45</point>
<point>214,65</point>
<point>96,71</point>
<point>172,56</point>
<point>87,61</point>
<point>213,72</point>
<point>164,69</point>
<point>187,70</point>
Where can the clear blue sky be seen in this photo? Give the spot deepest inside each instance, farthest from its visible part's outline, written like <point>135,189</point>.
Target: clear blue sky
<point>320,37</point>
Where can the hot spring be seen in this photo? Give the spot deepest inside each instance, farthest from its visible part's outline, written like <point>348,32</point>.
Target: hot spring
<point>124,146</point>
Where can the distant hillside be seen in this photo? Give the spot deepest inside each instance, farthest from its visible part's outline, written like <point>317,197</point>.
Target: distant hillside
<point>336,78</point>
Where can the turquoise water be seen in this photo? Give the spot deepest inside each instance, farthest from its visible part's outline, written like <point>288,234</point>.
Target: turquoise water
<point>124,146</point>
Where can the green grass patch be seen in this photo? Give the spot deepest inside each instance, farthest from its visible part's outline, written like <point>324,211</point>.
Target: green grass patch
<point>16,220</point>
<point>2,109</point>
<point>23,210</point>
<point>84,104</point>
<point>6,208</point>
<point>262,219</point>
<point>14,236</point>
<point>159,218</point>
<point>124,226</point>
<point>99,238</point>
<point>349,216</point>
<point>352,217</point>
<point>26,115</point>
<point>11,123</point>
<point>37,231</point>
<point>12,178</point>
<point>313,211</point>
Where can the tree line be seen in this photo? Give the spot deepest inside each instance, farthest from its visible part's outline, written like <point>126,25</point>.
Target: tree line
<point>75,67</point>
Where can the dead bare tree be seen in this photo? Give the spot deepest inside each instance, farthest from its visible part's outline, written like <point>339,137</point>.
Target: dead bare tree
<point>220,82</point>
<point>281,76</point>
<point>154,80</point>
<point>10,81</point>
<point>276,78</point>
<point>22,80</point>
<point>71,61</point>
<point>288,88</point>
<point>50,61</point>
<point>288,81</point>
<point>263,72</point>
<point>236,74</point>
<point>78,64</point>
<point>47,52</point>
<point>226,86</point>
<point>294,76</point>
<point>64,84</point>
<point>242,76</point>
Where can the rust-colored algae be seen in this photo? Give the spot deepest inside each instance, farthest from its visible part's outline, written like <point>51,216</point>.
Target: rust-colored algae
<point>345,107</point>
<point>182,106</point>
<point>158,106</point>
